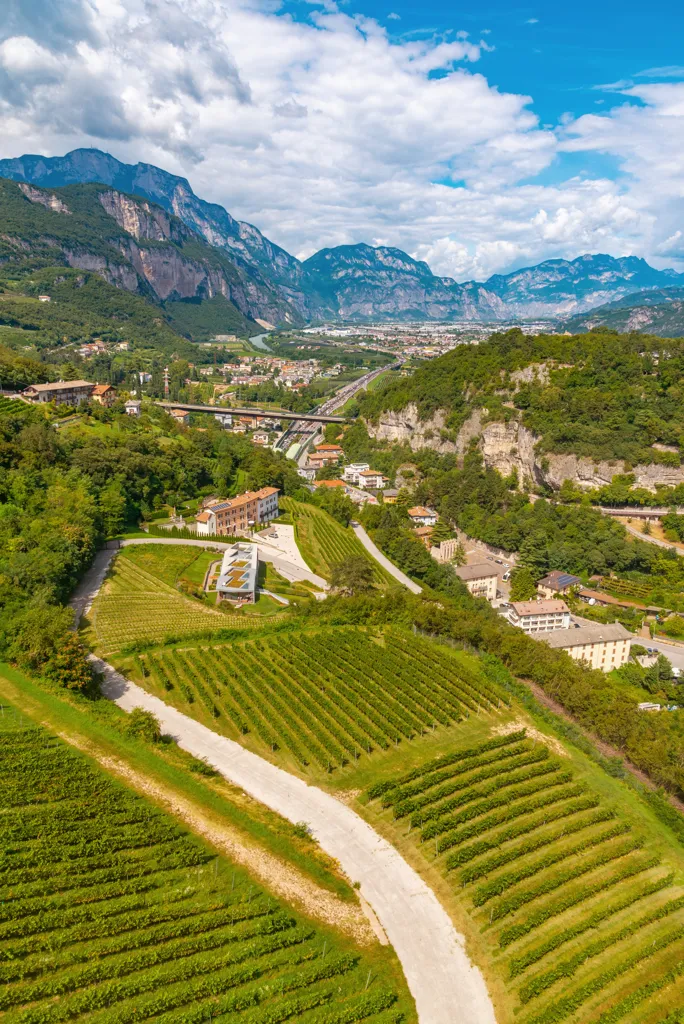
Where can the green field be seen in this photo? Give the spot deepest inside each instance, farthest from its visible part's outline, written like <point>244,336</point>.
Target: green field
<point>323,541</point>
<point>135,605</point>
<point>111,912</point>
<point>326,699</point>
<point>575,902</point>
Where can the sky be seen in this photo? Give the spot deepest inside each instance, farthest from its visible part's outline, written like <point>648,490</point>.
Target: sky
<point>479,138</point>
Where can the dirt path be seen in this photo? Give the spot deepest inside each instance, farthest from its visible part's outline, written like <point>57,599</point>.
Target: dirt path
<point>444,983</point>
<point>603,747</point>
<point>282,879</point>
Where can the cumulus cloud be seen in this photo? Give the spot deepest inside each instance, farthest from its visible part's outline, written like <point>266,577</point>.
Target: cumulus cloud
<point>325,130</point>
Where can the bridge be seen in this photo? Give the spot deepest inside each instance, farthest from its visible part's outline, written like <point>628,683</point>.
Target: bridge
<point>271,414</point>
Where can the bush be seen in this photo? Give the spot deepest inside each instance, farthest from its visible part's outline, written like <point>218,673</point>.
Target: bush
<point>143,725</point>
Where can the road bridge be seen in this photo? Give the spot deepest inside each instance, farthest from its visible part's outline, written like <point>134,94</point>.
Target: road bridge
<point>270,414</point>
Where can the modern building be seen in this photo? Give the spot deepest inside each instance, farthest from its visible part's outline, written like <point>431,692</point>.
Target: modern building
<point>132,407</point>
<point>237,580</point>
<point>104,394</point>
<point>421,516</point>
<point>558,583</point>
<point>370,480</point>
<point>601,645</point>
<point>227,518</point>
<point>351,472</point>
<point>480,578</point>
<point>64,392</point>
<point>539,616</point>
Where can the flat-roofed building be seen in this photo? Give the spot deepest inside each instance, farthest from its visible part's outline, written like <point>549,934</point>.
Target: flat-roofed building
<point>351,472</point>
<point>539,616</point>
<point>480,578</point>
<point>557,583</point>
<point>237,580</point>
<point>370,480</point>
<point>601,645</point>
<point>63,392</point>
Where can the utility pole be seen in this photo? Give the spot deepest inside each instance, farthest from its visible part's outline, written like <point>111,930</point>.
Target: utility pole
<point>166,382</point>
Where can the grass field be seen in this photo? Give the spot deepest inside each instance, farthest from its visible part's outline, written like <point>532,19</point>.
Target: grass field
<point>323,541</point>
<point>573,899</point>
<point>111,912</point>
<point>135,604</point>
<point>325,699</point>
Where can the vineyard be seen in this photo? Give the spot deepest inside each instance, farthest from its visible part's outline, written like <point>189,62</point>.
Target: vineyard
<point>111,912</point>
<point>326,698</point>
<point>135,605</point>
<point>8,405</point>
<point>578,910</point>
<point>323,541</point>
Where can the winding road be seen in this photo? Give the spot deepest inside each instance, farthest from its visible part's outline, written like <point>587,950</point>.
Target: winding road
<point>447,988</point>
<point>377,554</point>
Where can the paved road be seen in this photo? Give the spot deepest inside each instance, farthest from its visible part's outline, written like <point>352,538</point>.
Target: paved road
<point>650,540</point>
<point>384,561</point>
<point>673,652</point>
<point>447,988</point>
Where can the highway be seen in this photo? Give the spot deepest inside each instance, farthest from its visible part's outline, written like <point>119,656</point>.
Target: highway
<point>319,416</point>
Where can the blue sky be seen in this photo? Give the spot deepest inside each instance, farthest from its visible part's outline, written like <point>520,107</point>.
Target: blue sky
<point>480,140</point>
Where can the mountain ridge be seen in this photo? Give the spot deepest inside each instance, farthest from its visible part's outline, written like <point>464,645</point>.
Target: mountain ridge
<point>356,282</point>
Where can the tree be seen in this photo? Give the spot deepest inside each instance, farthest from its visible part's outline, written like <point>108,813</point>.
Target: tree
<point>353,575</point>
<point>459,556</point>
<point>523,586</point>
<point>69,666</point>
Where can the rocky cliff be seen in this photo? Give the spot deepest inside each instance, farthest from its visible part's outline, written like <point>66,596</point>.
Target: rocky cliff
<point>658,311</point>
<point>509,447</point>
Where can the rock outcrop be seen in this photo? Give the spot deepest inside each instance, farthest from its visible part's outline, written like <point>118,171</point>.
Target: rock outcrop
<point>509,447</point>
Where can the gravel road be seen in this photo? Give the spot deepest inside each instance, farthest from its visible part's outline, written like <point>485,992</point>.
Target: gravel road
<point>447,988</point>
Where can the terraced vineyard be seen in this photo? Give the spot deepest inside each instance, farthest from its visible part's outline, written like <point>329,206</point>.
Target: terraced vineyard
<point>8,405</point>
<point>580,914</point>
<point>323,541</point>
<point>135,605</point>
<point>328,697</point>
<point>112,913</point>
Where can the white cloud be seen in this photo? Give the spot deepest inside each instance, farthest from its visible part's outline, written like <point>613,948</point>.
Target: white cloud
<point>393,16</point>
<point>532,21</point>
<point>326,130</point>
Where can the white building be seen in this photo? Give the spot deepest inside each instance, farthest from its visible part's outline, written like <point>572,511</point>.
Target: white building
<point>132,407</point>
<point>224,418</point>
<point>237,580</point>
<point>350,474</point>
<point>539,616</point>
<point>604,646</point>
<point>370,480</point>
<point>421,516</point>
<point>480,579</point>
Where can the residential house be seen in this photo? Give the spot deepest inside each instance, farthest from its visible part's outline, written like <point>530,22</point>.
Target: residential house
<point>351,472</point>
<point>333,450</point>
<point>321,459</point>
<point>224,418</point>
<point>370,480</point>
<point>538,616</point>
<point>424,535</point>
<point>307,473</point>
<point>64,392</point>
<point>104,394</point>
<point>44,298</point>
<point>557,583</point>
<point>132,407</point>
<point>421,516</point>
<point>238,576</point>
<point>601,645</point>
<point>480,578</point>
<point>181,416</point>
<point>389,495</point>
<point>226,518</point>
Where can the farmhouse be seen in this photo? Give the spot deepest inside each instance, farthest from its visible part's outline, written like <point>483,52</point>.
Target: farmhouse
<point>557,583</point>
<point>64,392</point>
<point>237,580</point>
<point>605,646</point>
<point>539,616</point>
<point>226,518</point>
<point>480,578</point>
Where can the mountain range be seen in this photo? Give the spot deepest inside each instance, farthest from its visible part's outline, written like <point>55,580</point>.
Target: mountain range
<point>349,282</point>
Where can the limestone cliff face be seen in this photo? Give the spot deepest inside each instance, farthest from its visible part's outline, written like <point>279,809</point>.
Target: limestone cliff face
<point>511,446</point>
<point>49,200</point>
<point>141,219</point>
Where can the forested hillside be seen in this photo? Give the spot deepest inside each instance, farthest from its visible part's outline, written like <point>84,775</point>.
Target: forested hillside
<point>601,395</point>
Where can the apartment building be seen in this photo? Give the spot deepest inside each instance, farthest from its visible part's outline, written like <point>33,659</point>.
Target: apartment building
<point>226,518</point>
<point>63,392</point>
<point>370,480</point>
<point>480,578</point>
<point>538,616</point>
<point>601,645</point>
<point>351,472</point>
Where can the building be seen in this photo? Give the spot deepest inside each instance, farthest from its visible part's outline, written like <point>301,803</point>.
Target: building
<point>224,418</point>
<point>601,645</point>
<point>390,495</point>
<point>421,516</point>
<point>260,438</point>
<point>227,518</point>
<point>424,535</point>
<point>104,394</point>
<point>336,484</point>
<point>480,578</point>
<point>237,580</point>
<point>321,459</point>
<point>181,416</point>
<point>132,407</point>
<point>64,392</point>
<point>539,616</point>
<point>445,551</point>
<point>370,480</point>
<point>333,450</point>
<point>44,298</point>
<point>351,472</point>
<point>557,583</point>
<point>307,473</point>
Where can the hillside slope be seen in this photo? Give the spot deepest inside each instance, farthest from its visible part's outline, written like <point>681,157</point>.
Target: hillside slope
<point>660,311</point>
